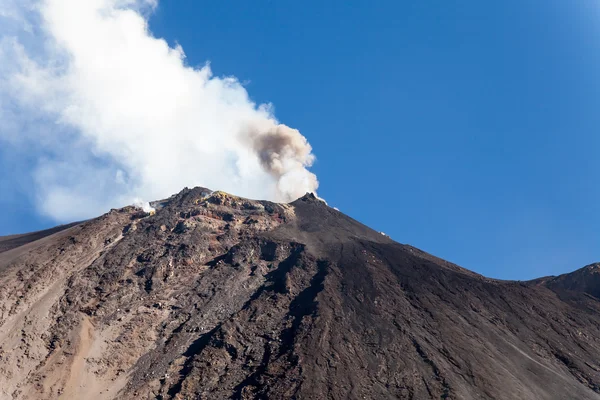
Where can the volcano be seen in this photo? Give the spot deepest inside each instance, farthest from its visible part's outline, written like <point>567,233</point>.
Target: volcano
<point>220,297</point>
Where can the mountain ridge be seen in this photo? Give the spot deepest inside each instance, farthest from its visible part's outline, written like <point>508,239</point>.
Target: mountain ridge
<point>216,296</point>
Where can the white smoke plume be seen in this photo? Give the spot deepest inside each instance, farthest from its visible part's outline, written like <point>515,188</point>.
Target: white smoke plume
<point>144,205</point>
<point>116,113</point>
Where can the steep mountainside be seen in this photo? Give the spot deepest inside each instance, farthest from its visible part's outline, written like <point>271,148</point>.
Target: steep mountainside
<point>12,241</point>
<point>218,297</point>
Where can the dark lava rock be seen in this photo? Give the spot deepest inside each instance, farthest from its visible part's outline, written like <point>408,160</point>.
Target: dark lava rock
<point>219,297</point>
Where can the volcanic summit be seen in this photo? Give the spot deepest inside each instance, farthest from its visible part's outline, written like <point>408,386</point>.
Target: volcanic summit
<point>214,296</point>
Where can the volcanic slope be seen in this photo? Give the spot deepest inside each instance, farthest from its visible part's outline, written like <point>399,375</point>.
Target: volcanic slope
<point>220,297</point>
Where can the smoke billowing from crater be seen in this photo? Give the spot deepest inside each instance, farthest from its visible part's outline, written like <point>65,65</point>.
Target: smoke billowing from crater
<point>113,113</point>
<point>285,154</point>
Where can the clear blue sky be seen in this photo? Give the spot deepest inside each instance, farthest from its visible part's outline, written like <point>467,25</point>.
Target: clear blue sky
<point>469,129</point>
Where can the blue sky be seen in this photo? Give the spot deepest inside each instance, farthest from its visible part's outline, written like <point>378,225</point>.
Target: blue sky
<point>468,129</point>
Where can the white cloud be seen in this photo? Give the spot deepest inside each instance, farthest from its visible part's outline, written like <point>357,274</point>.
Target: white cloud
<point>116,114</point>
